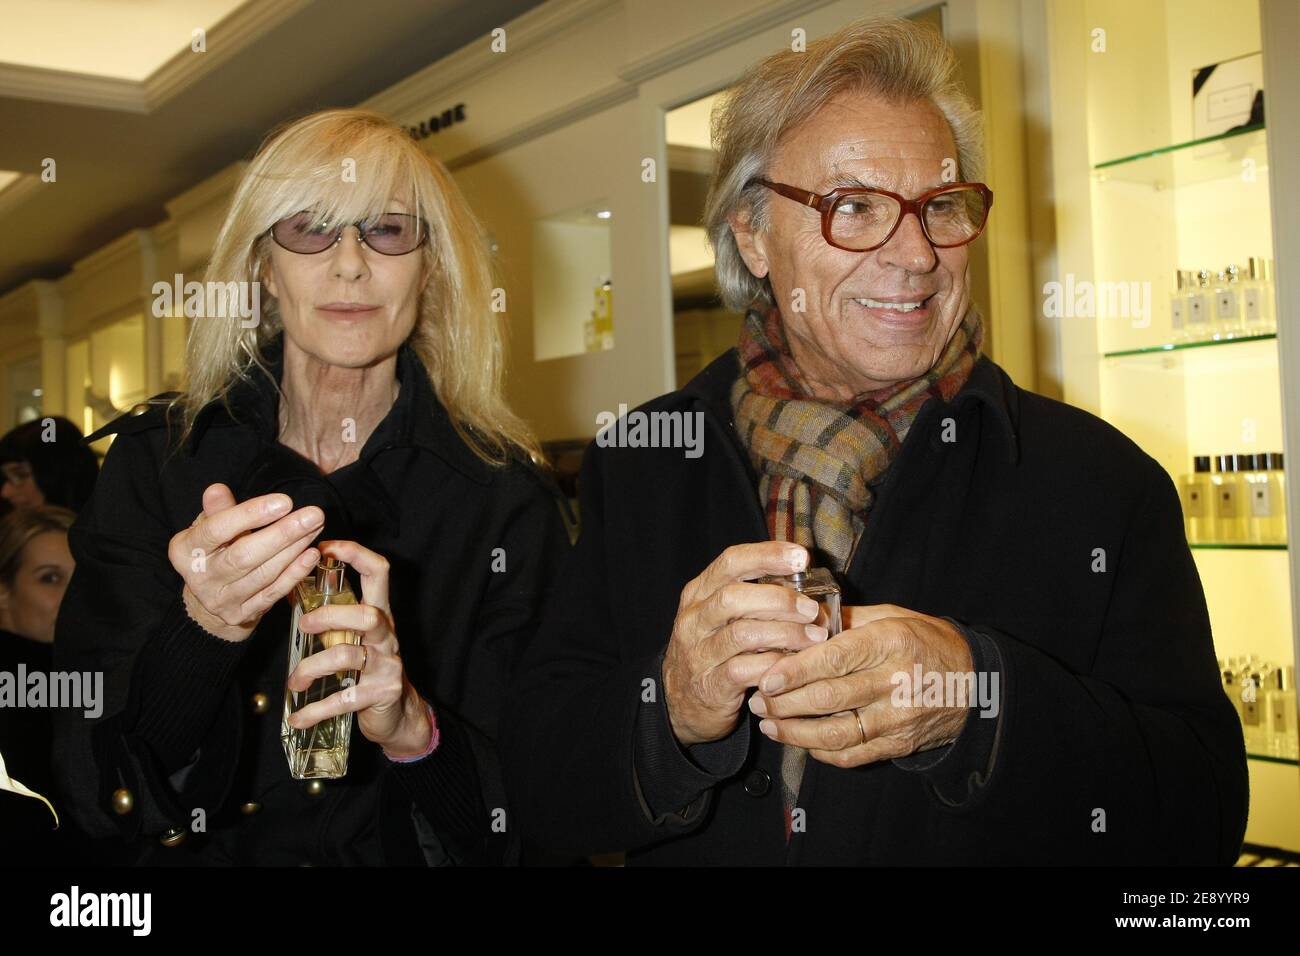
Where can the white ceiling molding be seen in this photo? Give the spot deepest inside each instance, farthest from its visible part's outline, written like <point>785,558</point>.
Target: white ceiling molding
<point>443,77</point>
<point>223,40</point>
<point>226,38</point>
<point>71,89</point>
<point>721,36</point>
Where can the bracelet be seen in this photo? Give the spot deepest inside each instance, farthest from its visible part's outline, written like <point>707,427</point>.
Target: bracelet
<point>434,738</point>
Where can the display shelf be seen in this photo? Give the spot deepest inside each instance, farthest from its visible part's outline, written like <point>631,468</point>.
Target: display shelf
<point>1266,758</point>
<point>1229,546</point>
<point>1237,152</point>
<point>1183,346</point>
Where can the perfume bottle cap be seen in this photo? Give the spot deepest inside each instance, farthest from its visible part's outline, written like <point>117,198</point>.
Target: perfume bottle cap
<point>1284,677</point>
<point>1275,461</point>
<point>1234,274</point>
<point>1224,463</point>
<point>1203,277</point>
<point>1255,268</point>
<point>1243,463</point>
<point>1201,464</point>
<point>329,575</point>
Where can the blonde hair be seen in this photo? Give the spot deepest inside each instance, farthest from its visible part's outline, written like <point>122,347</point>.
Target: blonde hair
<point>457,336</point>
<point>885,56</point>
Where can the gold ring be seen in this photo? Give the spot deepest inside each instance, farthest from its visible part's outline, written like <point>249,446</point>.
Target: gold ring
<point>365,656</point>
<point>858,717</point>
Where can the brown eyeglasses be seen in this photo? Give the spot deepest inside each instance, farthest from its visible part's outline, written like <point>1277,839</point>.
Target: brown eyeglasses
<point>860,219</point>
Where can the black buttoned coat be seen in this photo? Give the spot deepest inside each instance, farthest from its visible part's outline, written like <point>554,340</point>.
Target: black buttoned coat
<point>1051,539</point>
<point>191,723</point>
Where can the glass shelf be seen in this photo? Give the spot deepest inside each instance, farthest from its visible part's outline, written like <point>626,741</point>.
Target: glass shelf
<point>1195,161</point>
<point>1229,546</point>
<point>1268,758</point>
<point>1182,346</point>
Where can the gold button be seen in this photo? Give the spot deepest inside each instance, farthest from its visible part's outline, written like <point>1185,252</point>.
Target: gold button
<point>261,703</point>
<point>123,801</point>
<point>315,788</point>
<point>173,837</point>
<point>140,409</point>
<point>248,809</point>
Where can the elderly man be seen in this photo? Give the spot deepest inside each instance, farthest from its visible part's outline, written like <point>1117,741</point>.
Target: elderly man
<point>1026,672</point>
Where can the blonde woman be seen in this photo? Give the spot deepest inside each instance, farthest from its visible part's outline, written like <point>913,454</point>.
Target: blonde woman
<point>360,417</point>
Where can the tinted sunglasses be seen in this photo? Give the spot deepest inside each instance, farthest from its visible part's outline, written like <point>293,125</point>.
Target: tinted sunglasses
<point>392,234</point>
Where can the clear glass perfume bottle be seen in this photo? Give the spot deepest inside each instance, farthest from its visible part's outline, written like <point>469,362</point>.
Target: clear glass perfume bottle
<point>1178,308</point>
<point>1256,299</point>
<point>1227,304</point>
<point>819,584</point>
<point>1227,497</point>
<point>1196,491</point>
<point>322,749</point>
<point>1281,713</point>
<point>1199,308</point>
<point>1275,475</point>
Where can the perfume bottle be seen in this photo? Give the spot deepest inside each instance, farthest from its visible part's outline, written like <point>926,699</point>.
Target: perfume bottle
<point>1198,308</point>
<point>1178,307</point>
<point>1196,490</point>
<point>819,584</point>
<point>322,749</point>
<point>1257,299</point>
<point>1227,304</point>
<point>1253,709</point>
<point>1281,713</point>
<point>1275,477</point>
<point>1258,508</point>
<point>1227,495</point>
<point>1230,687</point>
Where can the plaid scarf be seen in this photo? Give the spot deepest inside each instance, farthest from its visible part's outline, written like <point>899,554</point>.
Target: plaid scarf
<point>820,463</point>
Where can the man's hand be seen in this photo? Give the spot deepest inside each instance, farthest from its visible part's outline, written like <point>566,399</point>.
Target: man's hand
<point>837,699</point>
<point>728,632</point>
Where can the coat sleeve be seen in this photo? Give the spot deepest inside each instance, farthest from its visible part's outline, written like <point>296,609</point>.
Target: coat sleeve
<point>458,789</point>
<point>572,713</point>
<point>168,731</point>
<point>1138,760</point>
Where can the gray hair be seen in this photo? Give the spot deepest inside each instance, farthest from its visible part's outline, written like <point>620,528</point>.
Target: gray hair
<point>885,56</point>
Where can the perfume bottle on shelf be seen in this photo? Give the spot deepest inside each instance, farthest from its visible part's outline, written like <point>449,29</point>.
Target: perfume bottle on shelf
<point>1227,500</point>
<point>1253,709</point>
<point>1276,475</point>
<point>1280,712</point>
<point>1227,304</point>
<point>818,584</point>
<point>1178,307</point>
<point>1255,507</point>
<point>1257,299</point>
<point>1196,491</point>
<point>1199,307</point>
<point>322,749</point>
<point>1230,687</point>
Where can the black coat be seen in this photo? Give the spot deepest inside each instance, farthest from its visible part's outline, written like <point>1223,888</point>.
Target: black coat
<point>1114,742</point>
<point>192,722</point>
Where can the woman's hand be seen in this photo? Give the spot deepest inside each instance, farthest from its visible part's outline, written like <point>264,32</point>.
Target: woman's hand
<point>238,559</point>
<point>389,710</point>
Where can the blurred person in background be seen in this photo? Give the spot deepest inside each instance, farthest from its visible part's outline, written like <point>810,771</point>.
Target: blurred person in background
<point>43,462</point>
<point>35,566</point>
